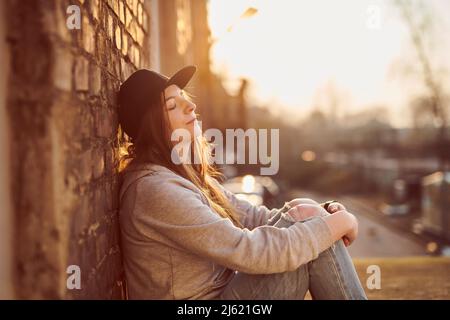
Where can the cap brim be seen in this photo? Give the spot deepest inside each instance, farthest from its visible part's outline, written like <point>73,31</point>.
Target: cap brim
<point>182,77</point>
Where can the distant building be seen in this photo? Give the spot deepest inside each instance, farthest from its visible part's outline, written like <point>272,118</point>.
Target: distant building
<point>185,38</point>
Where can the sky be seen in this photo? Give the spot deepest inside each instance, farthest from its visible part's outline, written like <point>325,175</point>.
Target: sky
<point>293,51</point>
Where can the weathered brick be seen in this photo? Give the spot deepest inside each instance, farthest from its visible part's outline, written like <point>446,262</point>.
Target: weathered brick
<point>98,163</point>
<point>95,79</point>
<point>133,29</point>
<point>81,74</point>
<point>116,60</point>
<point>91,252</point>
<point>116,7</point>
<point>130,3</point>
<point>101,246</point>
<point>109,92</point>
<point>55,22</point>
<point>135,57</point>
<point>115,193</point>
<point>128,17</point>
<point>81,215</point>
<point>108,187</point>
<point>145,22</point>
<point>135,7</point>
<point>100,209</point>
<point>140,36</point>
<point>85,124</point>
<point>62,69</point>
<point>125,44</point>
<point>103,123</point>
<point>118,38</point>
<point>127,69</point>
<point>102,49</point>
<point>110,29</point>
<point>140,12</point>
<point>88,35</point>
<point>85,169</point>
<point>122,12</point>
<point>95,8</point>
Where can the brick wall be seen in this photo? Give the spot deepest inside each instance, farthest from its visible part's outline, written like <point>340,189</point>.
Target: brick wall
<point>65,140</point>
<point>5,199</point>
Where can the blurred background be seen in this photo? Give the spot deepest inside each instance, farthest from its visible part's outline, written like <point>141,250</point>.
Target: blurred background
<point>360,92</point>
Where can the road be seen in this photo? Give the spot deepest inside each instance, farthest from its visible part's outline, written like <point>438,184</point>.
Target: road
<point>406,271</point>
<point>376,237</point>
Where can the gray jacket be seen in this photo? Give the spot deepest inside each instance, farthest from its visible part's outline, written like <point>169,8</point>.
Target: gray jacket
<point>175,246</point>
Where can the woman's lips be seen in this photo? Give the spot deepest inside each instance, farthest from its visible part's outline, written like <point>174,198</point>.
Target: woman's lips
<point>191,121</point>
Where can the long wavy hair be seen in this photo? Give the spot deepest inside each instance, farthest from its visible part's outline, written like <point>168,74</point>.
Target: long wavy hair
<point>153,145</point>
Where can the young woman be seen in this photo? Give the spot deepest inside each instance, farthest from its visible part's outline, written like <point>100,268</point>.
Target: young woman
<point>186,237</point>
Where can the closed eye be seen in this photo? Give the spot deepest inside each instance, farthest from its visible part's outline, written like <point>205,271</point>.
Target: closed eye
<point>171,105</point>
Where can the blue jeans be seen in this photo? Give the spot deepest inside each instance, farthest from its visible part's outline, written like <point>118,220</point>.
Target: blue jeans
<point>331,276</point>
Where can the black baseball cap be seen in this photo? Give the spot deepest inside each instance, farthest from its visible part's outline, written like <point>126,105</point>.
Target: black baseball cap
<point>141,91</point>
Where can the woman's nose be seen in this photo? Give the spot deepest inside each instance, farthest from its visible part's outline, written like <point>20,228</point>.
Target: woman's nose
<point>190,106</point>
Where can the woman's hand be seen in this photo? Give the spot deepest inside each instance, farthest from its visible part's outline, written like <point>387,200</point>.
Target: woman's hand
<point>352,233</point>
<point>304,208</point>
<point>343,224</point>
<point>302,212</point>
<point>297,201</point>
<point>335,207</point>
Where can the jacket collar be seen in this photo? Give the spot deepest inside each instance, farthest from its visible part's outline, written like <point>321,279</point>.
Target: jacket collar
<point>135,171</point>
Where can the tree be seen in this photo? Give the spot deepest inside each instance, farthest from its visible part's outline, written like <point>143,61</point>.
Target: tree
<point>419,21</point>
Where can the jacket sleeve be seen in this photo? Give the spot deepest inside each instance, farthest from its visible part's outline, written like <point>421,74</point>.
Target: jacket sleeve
<point>252,216</point>
<point>172,208</point>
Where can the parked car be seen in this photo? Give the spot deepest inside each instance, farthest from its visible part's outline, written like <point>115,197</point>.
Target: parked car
<point>436,191</point>
<point>397,204</point>
<point>255,189</point>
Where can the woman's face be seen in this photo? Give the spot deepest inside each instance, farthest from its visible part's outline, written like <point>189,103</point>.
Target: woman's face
<point>181,110</point>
